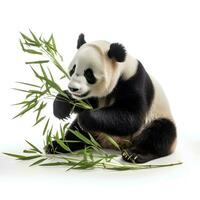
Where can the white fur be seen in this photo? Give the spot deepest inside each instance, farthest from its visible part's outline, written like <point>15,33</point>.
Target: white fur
<point>160,107</point>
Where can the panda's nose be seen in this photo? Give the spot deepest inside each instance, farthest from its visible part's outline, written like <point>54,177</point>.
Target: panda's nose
<point>73,89</point>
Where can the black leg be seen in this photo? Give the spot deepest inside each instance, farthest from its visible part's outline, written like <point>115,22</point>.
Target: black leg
<point>56,148</point>
<point>155,141</point>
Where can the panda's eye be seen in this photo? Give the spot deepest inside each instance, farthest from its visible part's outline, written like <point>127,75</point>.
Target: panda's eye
<point>88,73</point>
<point>72,70</point>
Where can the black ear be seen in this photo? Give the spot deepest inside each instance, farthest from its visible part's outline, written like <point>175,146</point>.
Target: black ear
<point>117,52</point>
<point>81,40</point>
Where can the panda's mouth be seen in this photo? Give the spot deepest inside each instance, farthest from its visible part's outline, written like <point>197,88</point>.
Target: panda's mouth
<point>81,95</point>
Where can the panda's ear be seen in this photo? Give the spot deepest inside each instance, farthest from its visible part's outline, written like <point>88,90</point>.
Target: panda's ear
<point>81,40</point>
<point>117,52</point>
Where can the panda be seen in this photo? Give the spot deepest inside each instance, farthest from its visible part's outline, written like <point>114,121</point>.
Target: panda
<point>128,104</point>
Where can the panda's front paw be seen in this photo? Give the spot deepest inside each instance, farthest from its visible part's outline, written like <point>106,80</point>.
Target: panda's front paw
<point>61,107</point>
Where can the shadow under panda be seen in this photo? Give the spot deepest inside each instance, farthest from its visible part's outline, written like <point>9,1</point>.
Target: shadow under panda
<point>128,104</point>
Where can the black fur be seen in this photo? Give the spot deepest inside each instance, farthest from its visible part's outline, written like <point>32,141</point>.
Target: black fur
<point>133,98</point>
<point>155,141</point>
<point>89,75</point>
<point>81,40</point>
<point>72,70</point>
<point>117,52</point>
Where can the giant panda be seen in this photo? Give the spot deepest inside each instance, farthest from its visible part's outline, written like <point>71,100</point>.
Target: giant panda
<point>128,104</point>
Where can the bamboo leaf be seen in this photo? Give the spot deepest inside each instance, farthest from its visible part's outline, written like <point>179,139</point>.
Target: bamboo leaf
<point>26,38</point>
<point>53,43</point>
<point>37,62</point>
<point>38,162</point>
<point>35,38</point>
<point>41,107</point>
<point>81,137</point>
<point>62,132</point>
<point>94,141</point>
<point>46,126</point>
<point>39,120</point>
<point>28,84</point>
<point>21,157</point>
<point>31,51</point>
<point>112,141</point>
<point>54,164</point>
<point>30,157</point>
<point>34,147</point>
<point>62,144</point>
<point>22,46</point>
<point>29,151</point>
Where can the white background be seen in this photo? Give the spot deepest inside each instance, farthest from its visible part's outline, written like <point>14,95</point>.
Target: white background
<point>163,35</point>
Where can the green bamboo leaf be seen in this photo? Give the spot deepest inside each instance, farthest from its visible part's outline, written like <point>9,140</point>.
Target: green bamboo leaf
<point>43,71</point>
<point>29,95</point>
<point>22,46</point>
<point>51,75</point>
<point>30,157</point>
<point>62,132</point>
<point>87,165</point>
<point>39,109</point>
<point>29,151</point>
<point>26,38</point>
<point>21,90</point>
<point>28,84</point>
<point>30,44</point>
<point>94,141</point>
<point>112,141</point>
<point>21,157</point>
<point>65,127</point>
<point>15,155</point>
<point>38,162</point>
<point>62,144</point>
<point>39,120</point>
<point>81,137</point>
<point>75,164</point>
<point>48,137</point>
<point>31,51</point>
<point>37,62</point>
<point>71,141</point>
<point>34,147</point>
<point>45,127</point>
<point>34,71</point>
<point>54,164</point>
<point>53,43</point>
<point>35,38</point>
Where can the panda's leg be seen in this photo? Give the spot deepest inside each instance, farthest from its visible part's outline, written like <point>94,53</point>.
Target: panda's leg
<point>56,148</point>
<point>156,140</point>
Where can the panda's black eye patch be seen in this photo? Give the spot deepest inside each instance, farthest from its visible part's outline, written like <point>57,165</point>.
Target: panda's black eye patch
<point>72,70</point>
<point>89,75</point>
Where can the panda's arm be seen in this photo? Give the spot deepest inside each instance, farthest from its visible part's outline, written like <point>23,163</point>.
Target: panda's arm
<point>62,108</point>
<point>112,120</point>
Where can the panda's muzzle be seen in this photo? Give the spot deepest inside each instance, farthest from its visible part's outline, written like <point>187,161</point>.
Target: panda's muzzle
<point>81,95</point>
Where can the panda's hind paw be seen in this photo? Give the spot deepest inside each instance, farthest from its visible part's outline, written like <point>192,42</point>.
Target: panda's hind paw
<point>134,155</point>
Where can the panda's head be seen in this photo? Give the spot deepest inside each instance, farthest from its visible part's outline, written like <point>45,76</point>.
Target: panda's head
<point>95,68</point>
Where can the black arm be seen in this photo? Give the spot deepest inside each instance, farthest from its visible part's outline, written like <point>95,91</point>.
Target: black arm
<point>111,120</point>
